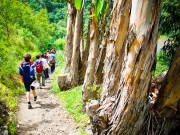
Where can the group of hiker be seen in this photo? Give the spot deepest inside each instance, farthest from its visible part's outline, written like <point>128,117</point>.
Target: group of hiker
<point>36,72</point>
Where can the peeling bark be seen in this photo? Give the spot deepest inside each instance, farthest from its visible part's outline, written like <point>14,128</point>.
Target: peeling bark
<point>94,73</point>
<point>93,54</point>
<point>168,105</point>
<point>74,73</point>
<point>100,63</point>
<point>129,62</point>
<point>85,58</point>
<point>69,37</point>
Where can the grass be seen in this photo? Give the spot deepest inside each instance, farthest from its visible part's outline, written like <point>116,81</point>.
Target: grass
<point>71,99</point>
<point>163,37</point>
<point>161,65</point>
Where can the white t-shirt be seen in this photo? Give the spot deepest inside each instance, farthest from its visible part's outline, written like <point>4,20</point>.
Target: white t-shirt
<point>45,64</point>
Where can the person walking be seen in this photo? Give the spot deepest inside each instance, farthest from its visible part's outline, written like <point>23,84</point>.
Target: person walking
<point>39,71</point>
<point>26,70</point>
<point>52,61</point>
<point>47,55</point>
<point>46,66</point>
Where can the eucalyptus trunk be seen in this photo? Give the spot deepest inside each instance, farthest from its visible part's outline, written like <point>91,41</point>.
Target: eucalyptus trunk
<point>74,73</point>
<point>91,63</point>
<point>97,51</point>
<point>130,59</point>
<point>85,57</point>
<point>167,108</point>
<point>69,36</point>
<point>98,76</point>
<point>104,23</point>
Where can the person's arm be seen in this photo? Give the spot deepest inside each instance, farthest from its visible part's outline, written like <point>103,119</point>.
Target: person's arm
<point>34,64</point>
<point>20,70</point>
<point>47,65</point>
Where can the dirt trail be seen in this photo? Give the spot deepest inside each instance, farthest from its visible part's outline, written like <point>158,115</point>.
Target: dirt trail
<point>47,116</point>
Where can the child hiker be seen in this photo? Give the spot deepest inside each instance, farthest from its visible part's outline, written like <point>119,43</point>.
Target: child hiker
<point>26,70</point>
<point>39,71</point>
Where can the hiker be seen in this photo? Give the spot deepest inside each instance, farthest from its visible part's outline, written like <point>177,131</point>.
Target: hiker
<point>46,66</point>
<point>26,70</point>
<point>52,61</point>
<point>39,71</point>
<point>53,50</point>
<point>47,55</point>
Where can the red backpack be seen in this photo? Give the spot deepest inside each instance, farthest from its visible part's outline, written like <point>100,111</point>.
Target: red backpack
<point>39,67</point>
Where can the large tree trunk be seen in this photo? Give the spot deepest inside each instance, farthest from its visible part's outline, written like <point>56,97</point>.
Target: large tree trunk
<point>69,36</point>
<point>74,73</point>
<point>129,62</point>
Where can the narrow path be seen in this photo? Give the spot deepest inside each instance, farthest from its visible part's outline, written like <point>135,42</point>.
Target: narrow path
<point>47,116</point>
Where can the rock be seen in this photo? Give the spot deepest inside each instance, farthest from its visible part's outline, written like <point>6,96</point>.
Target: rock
<point>5,132</point>
<point>64,82</point>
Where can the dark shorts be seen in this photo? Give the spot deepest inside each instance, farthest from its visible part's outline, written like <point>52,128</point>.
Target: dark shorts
<point>28,87</point>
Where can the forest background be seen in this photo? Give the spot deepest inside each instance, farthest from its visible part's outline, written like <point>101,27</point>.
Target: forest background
<point>36,26</point>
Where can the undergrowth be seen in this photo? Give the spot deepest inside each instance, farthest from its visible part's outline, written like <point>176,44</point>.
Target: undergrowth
<point>160,65</point>
<point>9,101</point>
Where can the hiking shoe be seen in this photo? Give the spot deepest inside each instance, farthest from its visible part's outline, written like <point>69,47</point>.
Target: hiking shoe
<point>29,106</point>
<point>35,98</point>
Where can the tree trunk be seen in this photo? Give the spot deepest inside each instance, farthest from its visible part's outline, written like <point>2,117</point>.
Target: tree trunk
<point>82,52</point>
<point>81,41</point>
<point>168,104</point>
<point>76,51</point>
<point>129,62</point>
<point>69,38</point>
<point>94,73</point>
<point>100,63</point>
<point>85,58</point>
<point>102,49</point>
<point>93,54</point>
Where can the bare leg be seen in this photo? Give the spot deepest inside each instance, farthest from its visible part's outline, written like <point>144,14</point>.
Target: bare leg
<point>34,92</point>
<point>28,96</point>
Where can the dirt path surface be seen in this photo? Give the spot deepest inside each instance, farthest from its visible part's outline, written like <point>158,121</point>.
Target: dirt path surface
<point>46,117</point>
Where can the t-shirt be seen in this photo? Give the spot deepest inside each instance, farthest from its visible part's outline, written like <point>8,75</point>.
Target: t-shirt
<point>26,70</point>
<point>45,63</point>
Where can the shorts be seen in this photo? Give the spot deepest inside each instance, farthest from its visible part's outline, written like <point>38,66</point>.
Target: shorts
<point>28,87</point>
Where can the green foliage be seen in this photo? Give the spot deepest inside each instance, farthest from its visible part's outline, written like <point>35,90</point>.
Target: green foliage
<point>100,8</point>
<point>56,9</point>
<point>57,13</point>
<point>97,91</point>
<point>59,44</point>
<point>169,25</point>
<point>12,125</point>
<point>168,51</point>
<point>86,18</point>
<point>9,96</point>
<point>21,30</point>
<point>161,64</point>
<point>78,4</point>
